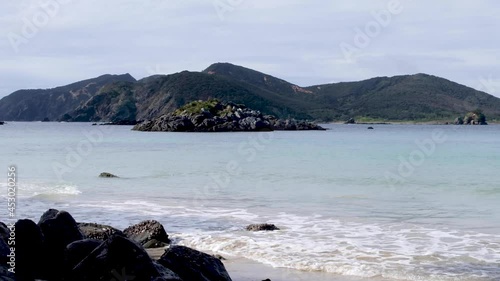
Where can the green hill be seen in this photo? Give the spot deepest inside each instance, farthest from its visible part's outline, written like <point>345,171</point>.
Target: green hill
<point>417,97</point>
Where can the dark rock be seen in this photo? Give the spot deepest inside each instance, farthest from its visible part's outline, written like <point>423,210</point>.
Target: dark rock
<point>5,275</point>
<point>49,214</point>
<point>146,231</point>
<point>262,227</point>
<point>2,122</point>
<point>107,175</point>
<point>59,231</point>
<point>370,128</point>
<point>192,265</point>
<point>4,252</point>
<point>98,231</point>
<point>119,258</point>
<point>77,251</point>
<point>32,258</point>
<point>4,232</point>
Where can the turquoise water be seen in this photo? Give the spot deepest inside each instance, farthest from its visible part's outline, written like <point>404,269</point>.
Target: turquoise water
<point>349,201</point>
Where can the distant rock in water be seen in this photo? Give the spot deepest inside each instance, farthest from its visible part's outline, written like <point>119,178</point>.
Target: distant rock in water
<point>262,227</point>
<point>370,128</point>
<point>215,116</point>
<point>107,175</point>
<point>2,122</point>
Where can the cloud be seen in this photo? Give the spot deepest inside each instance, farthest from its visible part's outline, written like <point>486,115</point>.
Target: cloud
<point>295,40</point>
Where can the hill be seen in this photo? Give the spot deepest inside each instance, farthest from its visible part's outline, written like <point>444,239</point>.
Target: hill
<point>419,97</point>
<point>36,105</point>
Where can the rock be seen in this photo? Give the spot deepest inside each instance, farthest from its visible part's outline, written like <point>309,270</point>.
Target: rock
<point>153,243</point>
<point>214,116</point>
<point>193,265</point>
<point>5,275</point>
<point>4,252</point>
<point>147,231</point>
<point>32,257</point>
<point>4,232</point>
<point>370,128</point>
<point>2,122</point>
<point>119,258</point>
<point>107,175</point>
<point>77,251</point>
<point>350,121</point>
<point>459,121</point>
<point>262,227</point>
<point>59,231</point>
<point>98,231</point>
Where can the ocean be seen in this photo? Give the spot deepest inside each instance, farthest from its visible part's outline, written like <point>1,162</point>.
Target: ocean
<point>400,202</point>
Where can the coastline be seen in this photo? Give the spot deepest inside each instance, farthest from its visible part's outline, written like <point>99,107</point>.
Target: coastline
<point>242,269</point>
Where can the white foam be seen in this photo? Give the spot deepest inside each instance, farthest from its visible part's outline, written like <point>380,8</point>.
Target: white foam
<point>397,251</point>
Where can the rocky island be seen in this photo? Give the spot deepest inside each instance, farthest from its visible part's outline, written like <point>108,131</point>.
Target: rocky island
<point>215,116</point>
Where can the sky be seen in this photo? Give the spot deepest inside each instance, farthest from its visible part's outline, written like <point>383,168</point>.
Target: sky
<point>49,43</point>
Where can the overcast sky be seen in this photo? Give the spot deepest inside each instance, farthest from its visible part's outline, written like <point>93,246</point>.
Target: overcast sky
<point>50,43</point>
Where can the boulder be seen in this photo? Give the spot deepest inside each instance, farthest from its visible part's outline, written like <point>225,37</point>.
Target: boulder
<point>107,175</point>
<point>4,252</point>
<point>119,258</point>
<point>4,232</point>
<point>262,227</point>
<point>77,251</point>
<point>98,231</point>
<point>370,128</point>
<point>193,265</point>
<point>147,231</point>
<point>32,257</point>
<point>59,231</point>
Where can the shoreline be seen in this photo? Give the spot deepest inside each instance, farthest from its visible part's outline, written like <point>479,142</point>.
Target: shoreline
<point>243,269</point>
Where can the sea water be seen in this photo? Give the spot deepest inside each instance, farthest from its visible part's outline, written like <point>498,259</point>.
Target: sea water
<point>400,202</point>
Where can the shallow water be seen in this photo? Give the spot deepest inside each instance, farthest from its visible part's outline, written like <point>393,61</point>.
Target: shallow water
<point>349,201</point>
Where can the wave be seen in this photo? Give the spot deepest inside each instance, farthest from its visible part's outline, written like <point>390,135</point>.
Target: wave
<point>399,251</point>
<point>45,190</point>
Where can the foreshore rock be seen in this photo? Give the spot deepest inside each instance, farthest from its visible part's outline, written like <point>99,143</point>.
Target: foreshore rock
<point>98,231</point>
<point>262,227</point>
<point>107,175</point>
<point>58,249</point>
<point>150,234</point>
<point>215,116</point>
<point>194,265</point>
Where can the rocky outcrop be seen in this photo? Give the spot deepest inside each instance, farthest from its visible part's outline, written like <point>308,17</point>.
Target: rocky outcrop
<point>215,116</point>
<point>262,227</point>
<point>193,265</point>
<point>98,231</point>
<point>118,258</point>
<point>56,250</point>
<point>150,234</point>
<point>107,175</point>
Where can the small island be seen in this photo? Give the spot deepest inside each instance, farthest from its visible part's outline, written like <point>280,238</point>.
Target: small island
<point>475,117</point>
<point>215,116</point>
